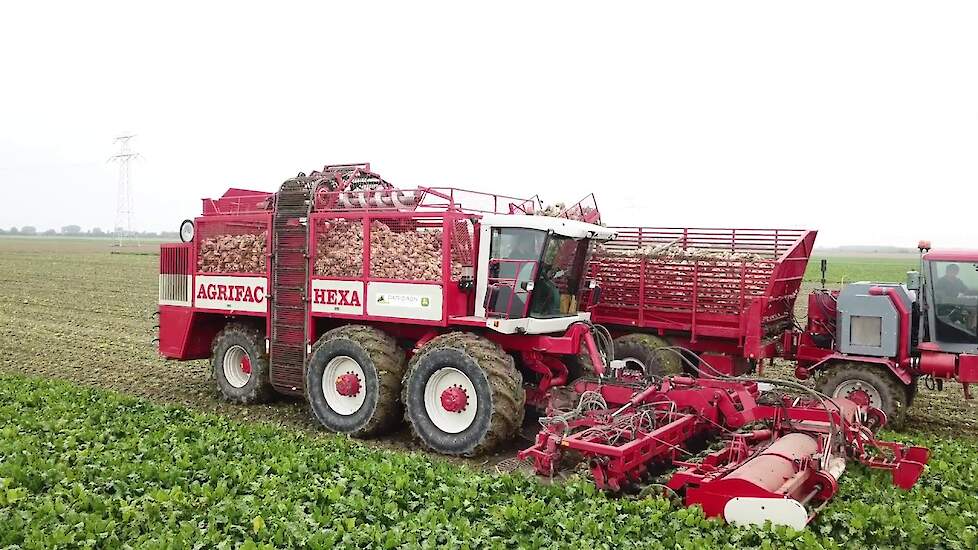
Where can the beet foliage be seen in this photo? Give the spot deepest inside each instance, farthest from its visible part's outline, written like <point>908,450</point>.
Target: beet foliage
<point>85,467</point>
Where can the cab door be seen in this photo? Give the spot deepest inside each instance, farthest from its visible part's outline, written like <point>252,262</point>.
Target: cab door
<point>953,293</point>
<point>514,260</point>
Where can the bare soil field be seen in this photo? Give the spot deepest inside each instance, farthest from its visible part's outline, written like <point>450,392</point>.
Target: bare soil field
<point>82,311</point>
<point>74,310</point>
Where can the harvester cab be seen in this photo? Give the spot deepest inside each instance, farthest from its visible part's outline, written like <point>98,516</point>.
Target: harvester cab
<point>532,274</point>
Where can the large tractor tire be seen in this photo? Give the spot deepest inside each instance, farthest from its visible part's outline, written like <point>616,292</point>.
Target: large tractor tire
<point>641,352</point>
<point>463,395</point>
<point>240,365</point>
<point>867,385</point>
<point>353,381</point>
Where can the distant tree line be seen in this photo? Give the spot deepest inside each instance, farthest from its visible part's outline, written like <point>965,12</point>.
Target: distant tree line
<point>76,231</point>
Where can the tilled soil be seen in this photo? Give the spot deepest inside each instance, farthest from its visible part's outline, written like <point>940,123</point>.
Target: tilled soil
<point>82,311</point>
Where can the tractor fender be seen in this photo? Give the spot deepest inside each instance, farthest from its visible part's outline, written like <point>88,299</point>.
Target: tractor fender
<point>902,373</point>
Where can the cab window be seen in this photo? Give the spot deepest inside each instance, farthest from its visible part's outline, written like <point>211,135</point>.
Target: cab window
<point>955,286</point>
<point>557,286</point>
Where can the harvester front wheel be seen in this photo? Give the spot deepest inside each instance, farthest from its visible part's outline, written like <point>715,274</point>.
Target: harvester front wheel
<point>353,380</point>
<point>867,385</point>
<point>463,395</point>
<point>240,364</point>
<point>642,352</point>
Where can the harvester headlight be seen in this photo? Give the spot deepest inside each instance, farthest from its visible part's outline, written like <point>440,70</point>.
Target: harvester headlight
<point>187,231</point>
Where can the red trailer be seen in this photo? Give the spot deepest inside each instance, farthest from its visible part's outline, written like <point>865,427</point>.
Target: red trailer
<point>726,294</point>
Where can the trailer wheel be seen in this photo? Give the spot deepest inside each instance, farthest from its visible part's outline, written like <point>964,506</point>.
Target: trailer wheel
<point>353,380</point>
<point>240,364</point>
<point>867,385</point>
<point>641,352</point>
<point>463,395</point>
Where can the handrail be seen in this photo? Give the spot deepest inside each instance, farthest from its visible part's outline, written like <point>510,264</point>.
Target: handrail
<point>512,283</point>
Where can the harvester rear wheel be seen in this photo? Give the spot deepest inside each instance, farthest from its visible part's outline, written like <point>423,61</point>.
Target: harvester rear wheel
<point>867,385</point>
<point>353,380</point>
<point>641,352</point>
<point>240,364</point>
<point>463,395</point>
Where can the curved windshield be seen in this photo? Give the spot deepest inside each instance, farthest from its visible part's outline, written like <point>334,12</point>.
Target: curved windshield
<point>557,286</point>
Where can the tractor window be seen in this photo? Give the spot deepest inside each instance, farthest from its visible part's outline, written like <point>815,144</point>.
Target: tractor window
<point>956,301</point>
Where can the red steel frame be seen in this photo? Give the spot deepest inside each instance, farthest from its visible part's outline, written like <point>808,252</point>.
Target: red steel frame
<point>650,426</point>
<point>189,329</point>
<point>729,307</point>
<point>185,331</point>
<point>452,301</point>
<point>204,222</point>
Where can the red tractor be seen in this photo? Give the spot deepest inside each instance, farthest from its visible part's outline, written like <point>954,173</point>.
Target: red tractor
<point>873,342</point>
<point>455,310</point>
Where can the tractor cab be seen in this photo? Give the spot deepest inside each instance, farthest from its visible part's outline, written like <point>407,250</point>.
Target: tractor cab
<point>531,273</point>
<point>950,295</point>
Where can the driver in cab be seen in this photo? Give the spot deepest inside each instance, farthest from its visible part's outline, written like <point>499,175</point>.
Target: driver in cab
<point>950,285</point>
<point>955,301</point>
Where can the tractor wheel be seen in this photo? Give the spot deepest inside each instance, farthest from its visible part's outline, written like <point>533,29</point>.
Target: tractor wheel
<point>240,364</point>
<point>353,380</point>
<point>463,395</point>
<point>641,352</point>
<point>867,385</point>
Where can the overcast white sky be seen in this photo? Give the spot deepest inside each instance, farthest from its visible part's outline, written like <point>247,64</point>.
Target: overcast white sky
<point>859,119</point>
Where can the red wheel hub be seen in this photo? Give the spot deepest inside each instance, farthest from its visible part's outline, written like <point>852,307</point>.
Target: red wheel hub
<point>860,397</point>
<point>246,365</point>
<point>348,385</point>
<point>454,399</point>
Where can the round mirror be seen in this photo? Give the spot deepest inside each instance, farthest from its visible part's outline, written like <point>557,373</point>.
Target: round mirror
<point>187,231</point>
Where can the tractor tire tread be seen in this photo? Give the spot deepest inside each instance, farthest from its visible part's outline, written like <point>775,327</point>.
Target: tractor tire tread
<point>646,346</point>
<point>890,388</point>
<point>390,363</point>
<point>260,392</point>
<point>505,382</point>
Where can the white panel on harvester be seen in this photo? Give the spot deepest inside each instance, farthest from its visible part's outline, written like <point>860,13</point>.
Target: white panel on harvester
<point>232,293</point>
<point>330,296</point>
<point>405,301</point>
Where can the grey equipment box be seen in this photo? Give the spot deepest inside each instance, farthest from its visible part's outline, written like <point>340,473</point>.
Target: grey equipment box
<point>870,325</point>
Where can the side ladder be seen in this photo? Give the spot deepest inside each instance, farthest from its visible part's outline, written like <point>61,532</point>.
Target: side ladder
<point>287,353</point>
